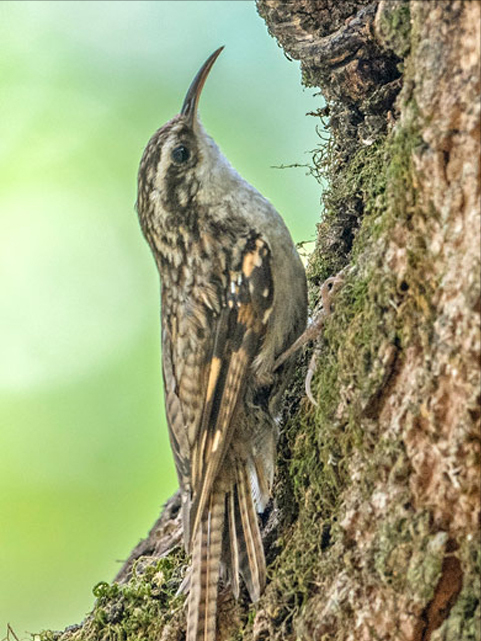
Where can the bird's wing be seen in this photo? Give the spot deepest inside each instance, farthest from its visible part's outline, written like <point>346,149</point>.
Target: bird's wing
<point>238,336</point>
<point>215,376</point>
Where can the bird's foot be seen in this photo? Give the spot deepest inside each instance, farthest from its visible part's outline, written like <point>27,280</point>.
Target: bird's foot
<point>328,290</point>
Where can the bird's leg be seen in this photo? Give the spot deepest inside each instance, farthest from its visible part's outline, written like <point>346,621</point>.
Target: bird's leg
<point>328,290</point>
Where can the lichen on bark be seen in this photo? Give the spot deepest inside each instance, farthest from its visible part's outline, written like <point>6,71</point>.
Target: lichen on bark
<point>375,530</point>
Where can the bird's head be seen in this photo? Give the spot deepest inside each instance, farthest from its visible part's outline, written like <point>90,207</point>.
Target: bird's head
<point>177,161</point>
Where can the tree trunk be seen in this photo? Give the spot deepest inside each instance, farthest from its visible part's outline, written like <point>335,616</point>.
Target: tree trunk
<point>375,530</point>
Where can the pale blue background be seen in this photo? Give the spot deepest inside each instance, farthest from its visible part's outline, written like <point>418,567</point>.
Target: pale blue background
<point>85,459</point>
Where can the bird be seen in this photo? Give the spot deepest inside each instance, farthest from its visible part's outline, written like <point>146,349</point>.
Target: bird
<point>233,299</point>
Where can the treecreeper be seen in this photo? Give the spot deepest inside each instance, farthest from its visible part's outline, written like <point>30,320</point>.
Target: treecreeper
<point>233,299</point>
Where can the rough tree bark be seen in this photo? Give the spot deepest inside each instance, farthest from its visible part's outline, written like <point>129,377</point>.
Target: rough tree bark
<point>374,534</point>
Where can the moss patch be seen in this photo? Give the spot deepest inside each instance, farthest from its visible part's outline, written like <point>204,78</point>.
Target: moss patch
<point>394,27</point>
<point>465,617</point>
<point>137,611</point>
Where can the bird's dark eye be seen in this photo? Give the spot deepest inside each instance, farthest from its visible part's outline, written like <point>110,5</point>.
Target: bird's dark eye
<point>180,154</point>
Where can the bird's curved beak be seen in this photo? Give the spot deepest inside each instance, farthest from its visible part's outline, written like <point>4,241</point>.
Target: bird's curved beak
<point>189,108</point>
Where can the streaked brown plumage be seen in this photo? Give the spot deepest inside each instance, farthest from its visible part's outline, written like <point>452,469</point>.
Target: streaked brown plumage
<point>233,299</point>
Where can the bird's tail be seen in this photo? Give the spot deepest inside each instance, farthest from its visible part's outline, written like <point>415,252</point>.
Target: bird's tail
<point>245,553</point>
<point>204,578</point>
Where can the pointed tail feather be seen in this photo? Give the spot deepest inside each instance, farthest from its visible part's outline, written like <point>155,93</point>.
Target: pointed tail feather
<point>206,556</point>
<point>250,552</point>
<point>233,543</point>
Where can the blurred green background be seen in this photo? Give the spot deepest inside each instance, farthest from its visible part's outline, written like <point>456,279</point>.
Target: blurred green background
<point>85,459</point>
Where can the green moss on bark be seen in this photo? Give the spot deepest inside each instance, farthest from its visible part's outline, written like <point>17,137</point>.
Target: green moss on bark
<point>360,347</point>
<point>465,617</point>
<point>136,611</point>
<point>394,27</point>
